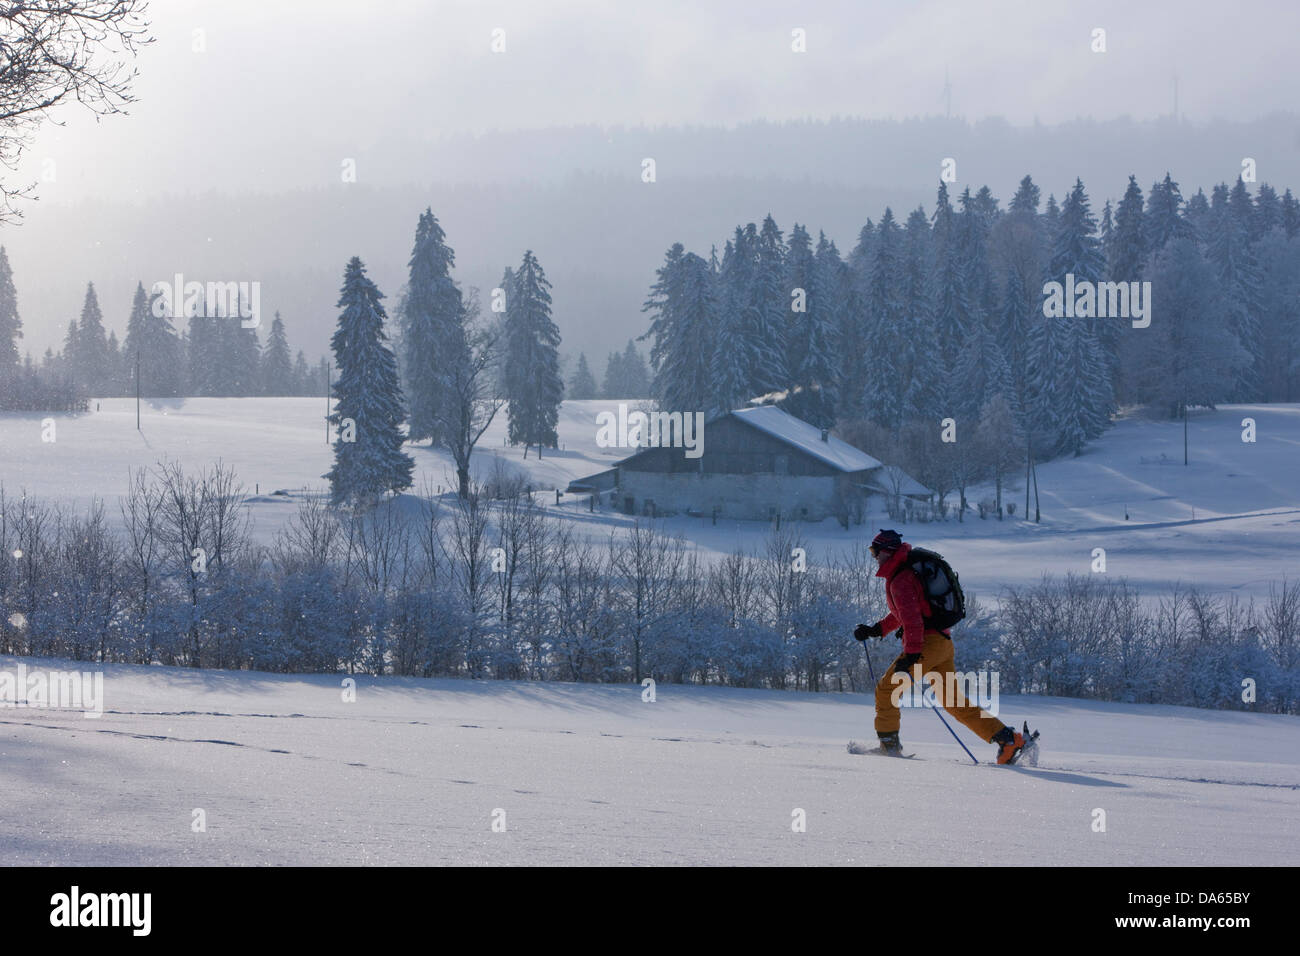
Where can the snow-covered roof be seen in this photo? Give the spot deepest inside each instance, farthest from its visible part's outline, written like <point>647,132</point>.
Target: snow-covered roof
<point>907,485</point>
<point>807,438</point>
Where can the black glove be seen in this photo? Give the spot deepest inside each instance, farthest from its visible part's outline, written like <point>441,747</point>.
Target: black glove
<point>864,631</point>
<point>904,663</point>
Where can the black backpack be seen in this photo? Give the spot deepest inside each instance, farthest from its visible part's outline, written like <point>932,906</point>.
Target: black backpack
<point>940,585</point>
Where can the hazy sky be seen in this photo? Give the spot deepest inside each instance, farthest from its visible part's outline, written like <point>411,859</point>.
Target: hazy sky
<point>284,90</point>
<point>248,97</point>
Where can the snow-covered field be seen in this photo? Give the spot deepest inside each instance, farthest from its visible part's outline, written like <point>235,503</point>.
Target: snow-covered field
<point>1228,521</point>
<point>413,772</point>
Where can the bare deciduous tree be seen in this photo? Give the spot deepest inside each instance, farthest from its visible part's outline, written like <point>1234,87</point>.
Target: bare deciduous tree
<point>205,529</point>
<point>58,51</point>
<point>471,398</point>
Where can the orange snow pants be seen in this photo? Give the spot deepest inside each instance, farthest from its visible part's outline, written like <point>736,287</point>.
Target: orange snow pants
<point>936,664</point>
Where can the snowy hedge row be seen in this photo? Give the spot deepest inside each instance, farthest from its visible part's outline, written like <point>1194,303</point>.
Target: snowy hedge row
<point>495,588</point>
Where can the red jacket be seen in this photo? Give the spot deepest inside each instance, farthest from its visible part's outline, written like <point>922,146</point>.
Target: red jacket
<point>908,607</point>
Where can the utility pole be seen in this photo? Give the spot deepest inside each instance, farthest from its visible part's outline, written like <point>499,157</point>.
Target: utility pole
<point>1027,467</point>
<point>327,403</point>
<point>1037,515</point>
<point>1184,433</point>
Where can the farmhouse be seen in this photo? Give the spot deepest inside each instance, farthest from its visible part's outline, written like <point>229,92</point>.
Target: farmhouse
<point>757,463</point>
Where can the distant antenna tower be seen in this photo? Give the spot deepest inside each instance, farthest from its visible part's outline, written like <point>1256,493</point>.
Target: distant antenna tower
<point>947,95</point>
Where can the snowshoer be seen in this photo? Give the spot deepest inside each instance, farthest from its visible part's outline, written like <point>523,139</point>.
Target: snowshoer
<point>926,646</point>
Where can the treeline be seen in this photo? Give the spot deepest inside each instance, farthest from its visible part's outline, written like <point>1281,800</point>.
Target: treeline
<point>212,356</point>
<point>626,377</point>
<point>936,315</point>
<point>490,586</point>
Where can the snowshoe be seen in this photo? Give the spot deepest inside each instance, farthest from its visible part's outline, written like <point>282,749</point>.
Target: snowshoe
<point>890,746</point>
<point>1014,745</point>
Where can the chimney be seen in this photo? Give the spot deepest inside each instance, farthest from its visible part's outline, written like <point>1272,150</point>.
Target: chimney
<point>826,434</point>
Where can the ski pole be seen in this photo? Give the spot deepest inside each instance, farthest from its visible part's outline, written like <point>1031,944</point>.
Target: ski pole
<point>870,671</point>
<point>945,723</point>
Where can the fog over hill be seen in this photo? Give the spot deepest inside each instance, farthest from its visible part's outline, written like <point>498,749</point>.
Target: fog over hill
<point>575,196</point>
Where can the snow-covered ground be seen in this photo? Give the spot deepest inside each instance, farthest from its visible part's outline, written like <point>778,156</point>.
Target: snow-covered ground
<point>413,771</point>
<point>1228,521</point>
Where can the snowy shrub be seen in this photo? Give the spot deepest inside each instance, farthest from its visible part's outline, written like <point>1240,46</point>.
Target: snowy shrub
<point>424,591</point>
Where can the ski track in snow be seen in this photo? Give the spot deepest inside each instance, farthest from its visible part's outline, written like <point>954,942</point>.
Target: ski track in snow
<point>412,772</point>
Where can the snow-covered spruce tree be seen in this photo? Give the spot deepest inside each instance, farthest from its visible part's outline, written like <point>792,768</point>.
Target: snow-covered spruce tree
<point>979,215</point>
<point>165,352</point>
<point>69,363</point>
<point>1279,318</point>
<point>1128,249</point>
<point>798,276</point>
<point>133,345</point>
<point>1018,249</point>
<point>952,302</point>
<point>1268,212</point>
<point>240,354</point>
<point>918,354</point>
<point>1051,217</point>
<point>730,362</point>
<point>748,296</point>
<point>636,376</point>
<point>1229,248</point>
<point>431,309</point>
<point>814,369</point>
<point>1197,214</point>
<point>369,407</point>
<point>203,353</point>
<point>1016,328</point>
<point>583,384</point>
<point>853,325</point>
<point>662,303</point>
<point>302,384</point>
<point>882,391</point>
<point>533,386</point>
<point>684,304</point>
<point>982,371</point>
<point>277,363</point>
<point>612,383</point>
<point>1084,385</point>
<point>1025,201</point>
<point>501,297</point>
<point>1107,231</point>
<point>114,381</point>
<point>1164,219</point>
<point>1044,359</point>
<point>770,306</point>
<point>91,355</point>
<point>1290,215</point>
<point>1192,356</point>
<point>11,330</point>
<point>1126,258</point>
